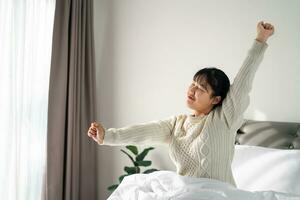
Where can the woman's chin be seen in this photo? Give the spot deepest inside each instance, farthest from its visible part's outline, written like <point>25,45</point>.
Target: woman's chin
<point>189,104</point>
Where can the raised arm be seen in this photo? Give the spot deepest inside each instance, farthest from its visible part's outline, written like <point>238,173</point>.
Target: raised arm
<point>153,132</point>
<point>238,99</point>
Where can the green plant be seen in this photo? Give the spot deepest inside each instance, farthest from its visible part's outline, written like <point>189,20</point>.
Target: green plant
<point>137,163</point>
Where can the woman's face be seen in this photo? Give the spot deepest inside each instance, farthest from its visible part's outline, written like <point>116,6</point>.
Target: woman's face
<point>199,98</point>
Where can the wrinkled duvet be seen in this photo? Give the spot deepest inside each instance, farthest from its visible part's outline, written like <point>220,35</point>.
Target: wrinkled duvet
<point>169,185</point>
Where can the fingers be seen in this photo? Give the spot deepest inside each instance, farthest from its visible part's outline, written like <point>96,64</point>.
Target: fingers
<point>95,124</point>
<point>267,26</point>
<point>93,129</point>
<point>95,138</point>
<point>260,24</point>
<point>96,131</point>
<point>92,132</point>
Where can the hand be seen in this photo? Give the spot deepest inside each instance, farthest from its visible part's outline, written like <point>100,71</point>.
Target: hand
<point>96,131</point>
<point>264,31</point>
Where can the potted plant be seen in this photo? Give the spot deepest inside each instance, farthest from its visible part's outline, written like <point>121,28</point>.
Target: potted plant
<point>137,162</point>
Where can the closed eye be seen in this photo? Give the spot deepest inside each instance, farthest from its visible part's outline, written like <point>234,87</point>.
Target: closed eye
<point>198,87</point>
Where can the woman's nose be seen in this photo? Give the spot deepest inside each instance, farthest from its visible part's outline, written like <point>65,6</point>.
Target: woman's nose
<point>193,89</point>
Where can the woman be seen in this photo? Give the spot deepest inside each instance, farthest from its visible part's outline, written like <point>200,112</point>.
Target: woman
<point>202,144</point>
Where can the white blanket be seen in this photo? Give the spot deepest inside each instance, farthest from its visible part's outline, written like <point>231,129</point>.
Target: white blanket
<point>169,185</point>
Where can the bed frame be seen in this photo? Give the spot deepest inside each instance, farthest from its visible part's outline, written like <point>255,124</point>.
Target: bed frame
<point>279,135</point>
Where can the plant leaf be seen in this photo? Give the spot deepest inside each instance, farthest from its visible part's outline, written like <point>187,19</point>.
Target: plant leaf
<point>133,149</point>
<point>148,171</point>
<point>112,187</point>
<point>142,155</point>
<point>131,170</point>
<point>128,156</point>
<point>122,177</point>
<point>144,163</point>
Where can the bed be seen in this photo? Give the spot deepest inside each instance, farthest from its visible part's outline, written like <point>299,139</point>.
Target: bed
<point>270,152</point>
<point>266,166</point>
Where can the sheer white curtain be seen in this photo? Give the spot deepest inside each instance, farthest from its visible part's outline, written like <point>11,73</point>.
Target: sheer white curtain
<point>25,52</point>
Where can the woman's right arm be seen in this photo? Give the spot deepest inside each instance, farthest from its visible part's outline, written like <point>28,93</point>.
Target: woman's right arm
<point>154,132</point>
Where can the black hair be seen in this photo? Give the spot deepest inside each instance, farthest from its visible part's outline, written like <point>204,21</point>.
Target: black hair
<point>217,80</point>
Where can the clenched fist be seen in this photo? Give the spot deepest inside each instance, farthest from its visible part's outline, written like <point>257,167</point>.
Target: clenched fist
<point>96,131</point>
<point>264,31</point>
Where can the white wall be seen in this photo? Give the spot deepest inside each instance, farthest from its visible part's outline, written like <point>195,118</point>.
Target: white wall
<point>148,51</point>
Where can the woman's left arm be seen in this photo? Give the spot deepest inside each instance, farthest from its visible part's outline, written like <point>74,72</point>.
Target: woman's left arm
<point>238,99</point>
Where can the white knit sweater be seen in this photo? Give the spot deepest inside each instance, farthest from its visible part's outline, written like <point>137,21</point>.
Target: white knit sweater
<point>201,146</point>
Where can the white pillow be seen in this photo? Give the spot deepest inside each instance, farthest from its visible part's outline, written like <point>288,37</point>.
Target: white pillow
<point>261,169</point>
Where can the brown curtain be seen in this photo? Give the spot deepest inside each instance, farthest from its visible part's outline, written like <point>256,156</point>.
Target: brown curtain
<point>71,155</point>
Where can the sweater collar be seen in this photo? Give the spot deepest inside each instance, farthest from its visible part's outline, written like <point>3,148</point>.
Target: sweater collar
<point>194,119</point>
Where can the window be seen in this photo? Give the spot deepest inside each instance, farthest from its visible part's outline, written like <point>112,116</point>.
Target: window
<point>25,55</point>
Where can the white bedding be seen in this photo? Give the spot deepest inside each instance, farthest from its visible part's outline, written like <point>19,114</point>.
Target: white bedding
<point>259,169</point>
<point>169,185</point>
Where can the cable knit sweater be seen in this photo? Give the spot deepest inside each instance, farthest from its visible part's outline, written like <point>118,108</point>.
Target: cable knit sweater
<point>200,146</point>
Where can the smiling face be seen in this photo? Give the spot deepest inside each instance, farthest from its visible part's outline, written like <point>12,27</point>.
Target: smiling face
<point>200,97</point>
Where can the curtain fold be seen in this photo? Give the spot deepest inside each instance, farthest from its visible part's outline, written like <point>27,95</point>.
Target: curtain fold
<point>71,156</point>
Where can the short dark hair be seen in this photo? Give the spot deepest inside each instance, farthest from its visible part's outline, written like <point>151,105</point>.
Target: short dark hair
<point>217,80</point>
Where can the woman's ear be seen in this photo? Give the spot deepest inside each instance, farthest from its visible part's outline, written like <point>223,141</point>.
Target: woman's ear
<point>216,100</point>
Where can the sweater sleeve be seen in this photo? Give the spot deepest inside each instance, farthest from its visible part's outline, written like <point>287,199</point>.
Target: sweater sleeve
<point>238,99</point>
<point>153,132</point>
